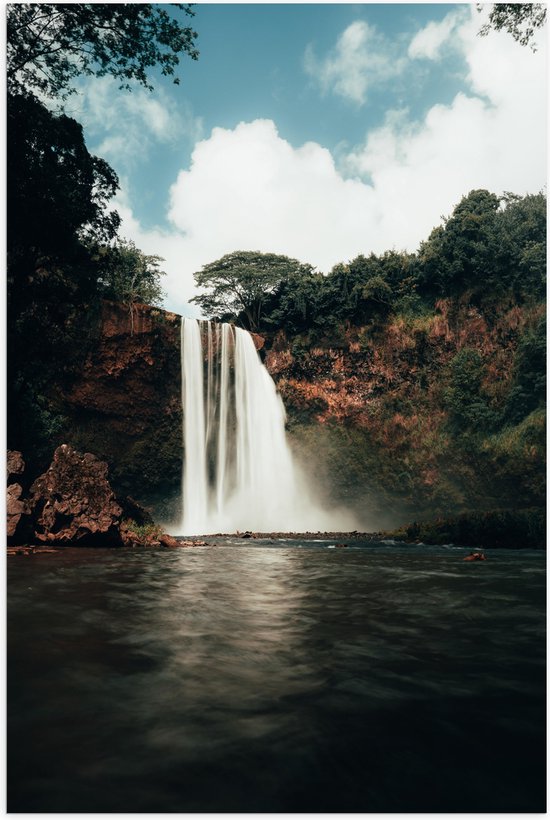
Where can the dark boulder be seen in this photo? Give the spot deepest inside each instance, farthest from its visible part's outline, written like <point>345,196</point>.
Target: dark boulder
<point>15,466</point>
<point>19,522</point>
<point>132,510</point>
<point>73,502</point>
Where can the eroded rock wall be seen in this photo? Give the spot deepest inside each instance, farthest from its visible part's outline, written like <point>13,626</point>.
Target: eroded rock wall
<point>367,412</point>
<point>369,416</point>
<point>125,406</point>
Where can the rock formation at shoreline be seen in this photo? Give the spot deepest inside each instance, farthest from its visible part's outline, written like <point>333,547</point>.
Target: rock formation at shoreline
<point>73,504</point>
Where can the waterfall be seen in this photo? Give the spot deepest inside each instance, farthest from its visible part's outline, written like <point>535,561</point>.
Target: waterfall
<point>238,473</point>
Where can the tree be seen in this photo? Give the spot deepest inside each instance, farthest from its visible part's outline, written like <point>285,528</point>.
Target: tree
<point>239,284</point>
<point>295,303</point>
<point>57,196</point>
<point>521,20</point>
<point>49,45</point>
<point>129,276</point>
<point>464,397</point>
<point>464,252</point>
<point>521,226</point>
<point>57,191</point>
<point>528,389</point>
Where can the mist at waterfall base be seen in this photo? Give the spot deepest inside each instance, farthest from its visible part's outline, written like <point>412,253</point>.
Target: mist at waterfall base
<point>239,473</point>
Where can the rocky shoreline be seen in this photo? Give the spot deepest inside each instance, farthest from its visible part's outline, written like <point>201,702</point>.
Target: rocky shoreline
<point>73,504</point>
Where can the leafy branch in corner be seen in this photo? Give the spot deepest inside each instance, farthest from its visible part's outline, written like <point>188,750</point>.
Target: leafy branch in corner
<point>521,20</point>
<point>49,45</point>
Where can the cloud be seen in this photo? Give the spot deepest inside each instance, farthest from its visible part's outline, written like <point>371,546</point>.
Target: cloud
<point>492,135</point>
<point>246,188</point>
<point>361,58</point>
<point>428,42</point>
<point>134,122</point>
<point>249,189</point>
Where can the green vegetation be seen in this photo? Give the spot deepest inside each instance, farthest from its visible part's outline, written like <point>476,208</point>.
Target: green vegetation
<point>143,531</point>
<point>63,254</point>
<point>240,283</point>
<point>128,275</point>
<point>49,45</point>
<point>488,251</point>
<point>518,529</point>
<point>467,406</point>
<point>521,20</point>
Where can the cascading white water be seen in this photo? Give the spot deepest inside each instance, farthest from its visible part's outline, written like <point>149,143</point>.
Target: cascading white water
<point>238,471</point>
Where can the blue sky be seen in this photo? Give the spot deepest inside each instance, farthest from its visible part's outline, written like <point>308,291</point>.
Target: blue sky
<point>318,130</point>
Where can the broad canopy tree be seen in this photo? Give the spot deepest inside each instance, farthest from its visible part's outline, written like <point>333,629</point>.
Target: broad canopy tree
<point>240,283</point>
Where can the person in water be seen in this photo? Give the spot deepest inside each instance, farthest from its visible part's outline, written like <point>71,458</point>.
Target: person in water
<point>475,556</point>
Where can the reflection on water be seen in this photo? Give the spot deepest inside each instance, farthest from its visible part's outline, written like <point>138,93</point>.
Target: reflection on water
<point>267,678</point>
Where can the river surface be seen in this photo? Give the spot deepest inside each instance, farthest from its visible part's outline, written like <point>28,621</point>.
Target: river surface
<point>276,676</point>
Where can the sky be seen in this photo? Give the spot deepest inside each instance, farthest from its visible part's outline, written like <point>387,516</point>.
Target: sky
<point>319,131</point>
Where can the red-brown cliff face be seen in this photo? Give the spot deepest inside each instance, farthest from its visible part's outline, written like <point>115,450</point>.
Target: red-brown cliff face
<point>125,405</point>
<point>370,413</point>
<point>133,372</point>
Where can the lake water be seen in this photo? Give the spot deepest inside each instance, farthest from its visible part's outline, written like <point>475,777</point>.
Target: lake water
<point>279,676</point>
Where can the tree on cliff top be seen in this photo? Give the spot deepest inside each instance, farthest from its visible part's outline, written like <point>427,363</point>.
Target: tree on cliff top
<point>240,282</point>
<point>49,45</point>
<point>128,275</point>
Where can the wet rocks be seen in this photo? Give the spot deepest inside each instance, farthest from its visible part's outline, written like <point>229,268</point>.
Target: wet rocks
<point>169,541</point>
<point>73,502</point>
<point>18,510</point>
<point>15,466</point>
<point>19,524</point>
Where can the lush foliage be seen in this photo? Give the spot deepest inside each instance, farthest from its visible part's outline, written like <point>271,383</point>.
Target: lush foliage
<point>57,191</point>
<point>128,275</point>
<point>464,398</point>
<point>49,45</point>
<point>240,283</point>
<point>486,251</point>
<point>521,20</point>
<point>427,370</point>
<point>518,529</point>
<point>61,254</point>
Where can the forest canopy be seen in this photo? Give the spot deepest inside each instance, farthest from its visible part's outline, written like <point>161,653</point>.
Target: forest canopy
<point>489,247</point>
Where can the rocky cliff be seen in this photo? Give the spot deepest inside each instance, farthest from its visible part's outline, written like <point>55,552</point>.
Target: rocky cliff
<point>125,404</point>
<point>389,423</point>
<point>371,410</point>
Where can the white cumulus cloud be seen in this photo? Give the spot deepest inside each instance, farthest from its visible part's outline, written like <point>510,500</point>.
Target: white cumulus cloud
<point>133,122</point>
<point>429,41</point>
<point>362,57</point>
